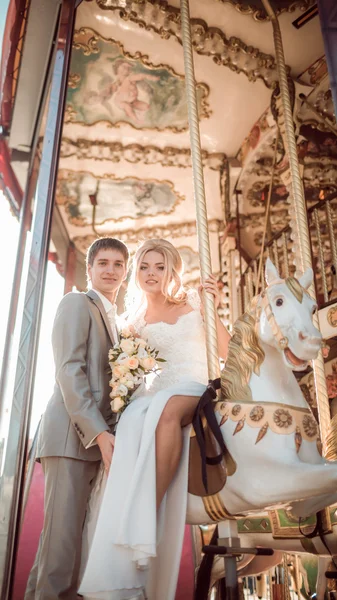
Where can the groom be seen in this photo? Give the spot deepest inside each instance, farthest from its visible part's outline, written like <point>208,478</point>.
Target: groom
<point>75,428</point>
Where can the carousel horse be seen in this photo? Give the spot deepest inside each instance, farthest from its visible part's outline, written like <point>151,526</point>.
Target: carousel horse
<point>266,424</point>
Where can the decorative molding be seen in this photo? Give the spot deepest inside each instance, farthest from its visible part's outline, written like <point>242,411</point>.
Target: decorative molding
<point>74,80</point>
<point>260,15</point>
<point>132,236</point>
<point>72,201</point>
<point>87,40</point>
<point>115,152</point>
<point>164,19</point>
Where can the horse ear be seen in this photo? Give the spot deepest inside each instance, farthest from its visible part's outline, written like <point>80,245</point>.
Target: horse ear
<point>307,279</point>
<point>271,272</point>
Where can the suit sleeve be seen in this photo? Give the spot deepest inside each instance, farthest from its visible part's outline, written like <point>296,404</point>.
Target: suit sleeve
<point>70,343</point>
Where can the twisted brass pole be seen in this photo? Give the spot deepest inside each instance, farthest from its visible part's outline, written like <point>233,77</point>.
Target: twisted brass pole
<point>300,223</point>
<point>199,191</point>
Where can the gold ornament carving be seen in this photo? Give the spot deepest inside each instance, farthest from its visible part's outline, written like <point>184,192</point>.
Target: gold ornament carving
<point>164,19</point>
<point>134,236</point>
<point>115,152</point>
<point>73,80</point>
<point>257,413</point>
<point>282,418</point>
<point>260,15</point>
<point>279,418</point>
<point>310,426</point>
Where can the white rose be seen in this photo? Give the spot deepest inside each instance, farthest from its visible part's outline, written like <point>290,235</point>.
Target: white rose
<point>118,371</point>
<point>127,346</point>
<point>141,353</point>
<point>126,332</point>
<point>114,392</point>
<point>132,363</point>
<point>148,363</point>
<point>122,357</point>
<point>116,404</point>
<point>130,385</point>
<point>122,389</point>
<point>141,343</point>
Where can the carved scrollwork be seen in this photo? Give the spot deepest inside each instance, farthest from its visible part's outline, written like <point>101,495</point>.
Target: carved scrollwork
<point>133,236</point>
<point>115,152</point>
<point>164,19</point>
<point>258,14</point>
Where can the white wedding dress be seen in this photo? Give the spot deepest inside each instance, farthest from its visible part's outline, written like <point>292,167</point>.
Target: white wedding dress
<point>132,555</point>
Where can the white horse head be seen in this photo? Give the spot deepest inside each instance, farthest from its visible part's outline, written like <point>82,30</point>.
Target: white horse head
<point>286,318</point>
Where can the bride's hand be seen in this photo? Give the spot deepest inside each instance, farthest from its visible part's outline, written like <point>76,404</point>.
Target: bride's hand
<point>211,287</point>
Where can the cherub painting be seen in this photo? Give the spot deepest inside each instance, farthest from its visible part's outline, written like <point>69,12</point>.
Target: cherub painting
<point>124,90</point>
<point>115,86</point>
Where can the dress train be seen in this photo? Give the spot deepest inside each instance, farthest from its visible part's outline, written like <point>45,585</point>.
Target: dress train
<point>132,556</point>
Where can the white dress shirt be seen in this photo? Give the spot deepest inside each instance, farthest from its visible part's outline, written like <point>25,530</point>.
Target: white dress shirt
<point>111,311</point>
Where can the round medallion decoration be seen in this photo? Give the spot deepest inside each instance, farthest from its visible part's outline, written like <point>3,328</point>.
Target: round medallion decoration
<point>236,410</point>
<point>282,418</point>
<point>310,426</point>
<point>257,413</point>
<point>332,316</point>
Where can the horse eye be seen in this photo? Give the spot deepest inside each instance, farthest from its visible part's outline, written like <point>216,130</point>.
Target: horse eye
<point>279,301</point>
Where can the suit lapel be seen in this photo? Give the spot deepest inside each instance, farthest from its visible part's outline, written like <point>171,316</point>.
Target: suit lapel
<point>96,300</point>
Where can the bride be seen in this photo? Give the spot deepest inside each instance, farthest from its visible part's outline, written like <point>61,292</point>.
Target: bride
<point>136,540</point>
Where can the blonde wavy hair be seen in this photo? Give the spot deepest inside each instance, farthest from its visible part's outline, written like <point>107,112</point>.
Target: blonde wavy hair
<point>172,285</point>
<point>245,356</point>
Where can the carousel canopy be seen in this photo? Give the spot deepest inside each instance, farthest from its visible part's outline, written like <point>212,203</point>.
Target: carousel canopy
<point>125,167</point>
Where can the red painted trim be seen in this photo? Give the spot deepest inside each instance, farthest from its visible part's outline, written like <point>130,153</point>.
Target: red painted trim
<point>8,180</point>
<point>15,15</point>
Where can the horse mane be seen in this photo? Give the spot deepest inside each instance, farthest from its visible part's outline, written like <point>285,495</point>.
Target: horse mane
<point>245,356</point>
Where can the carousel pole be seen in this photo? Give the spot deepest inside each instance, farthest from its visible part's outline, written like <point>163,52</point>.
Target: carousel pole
<point>199,191</point>
<point>228,535</point>
<point>300,222</point>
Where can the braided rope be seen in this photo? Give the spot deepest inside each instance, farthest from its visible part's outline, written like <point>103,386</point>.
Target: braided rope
<point>300,213</point>
<point>199,191</point>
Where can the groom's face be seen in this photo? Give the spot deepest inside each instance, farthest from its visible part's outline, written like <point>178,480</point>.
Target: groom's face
<point>107,271</point>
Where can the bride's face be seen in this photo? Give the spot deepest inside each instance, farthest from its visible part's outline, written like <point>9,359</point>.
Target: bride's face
<point>151,272</point>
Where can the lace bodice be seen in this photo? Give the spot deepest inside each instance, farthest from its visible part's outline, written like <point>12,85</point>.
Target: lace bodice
<point>182,345</point>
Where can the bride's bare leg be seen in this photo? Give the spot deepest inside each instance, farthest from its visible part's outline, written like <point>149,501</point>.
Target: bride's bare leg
<point>177,413</point>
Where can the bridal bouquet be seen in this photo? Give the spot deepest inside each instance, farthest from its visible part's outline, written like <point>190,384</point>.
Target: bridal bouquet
<point>130,360</point>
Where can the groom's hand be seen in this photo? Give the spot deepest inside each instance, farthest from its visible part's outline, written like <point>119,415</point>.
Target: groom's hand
<point>106,443</point>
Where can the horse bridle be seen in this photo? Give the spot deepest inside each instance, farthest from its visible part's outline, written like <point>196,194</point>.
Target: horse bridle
<point>264,304</point>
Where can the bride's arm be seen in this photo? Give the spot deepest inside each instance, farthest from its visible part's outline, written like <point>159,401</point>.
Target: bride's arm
<point>211,287</point>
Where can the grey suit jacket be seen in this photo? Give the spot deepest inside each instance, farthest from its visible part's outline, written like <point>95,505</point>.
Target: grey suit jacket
<point>79,408</point>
